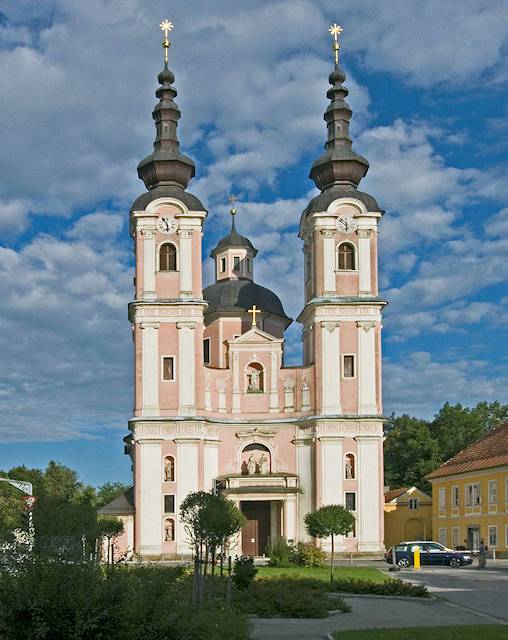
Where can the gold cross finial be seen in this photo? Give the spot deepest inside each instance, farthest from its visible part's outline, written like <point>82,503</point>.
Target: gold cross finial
<point>232,199</point>
<point>335,31</point>
<point>254,312</point>
<point>166,27</point>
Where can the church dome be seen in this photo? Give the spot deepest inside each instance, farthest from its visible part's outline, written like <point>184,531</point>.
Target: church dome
<point>236,296</point>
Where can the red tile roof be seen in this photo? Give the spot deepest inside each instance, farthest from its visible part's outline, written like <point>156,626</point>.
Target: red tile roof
<point>491,450</point>
<point>395,493</point>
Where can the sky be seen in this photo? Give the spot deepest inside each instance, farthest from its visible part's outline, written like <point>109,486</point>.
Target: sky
<point>428,88</point>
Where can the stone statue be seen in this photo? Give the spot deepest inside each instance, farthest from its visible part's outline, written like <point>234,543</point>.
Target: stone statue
<point>263,465</point>
<point>254,382</point>
<point>251,465</point>
<point>168,470</point>
<point>169,532</point>
<point>349,469</point>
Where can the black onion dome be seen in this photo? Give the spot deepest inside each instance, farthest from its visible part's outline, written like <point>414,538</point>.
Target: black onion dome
<point>234,239</point>
<point>236,296</point>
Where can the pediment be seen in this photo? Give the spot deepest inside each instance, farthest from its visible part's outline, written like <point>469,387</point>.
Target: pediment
<point>255,336</point>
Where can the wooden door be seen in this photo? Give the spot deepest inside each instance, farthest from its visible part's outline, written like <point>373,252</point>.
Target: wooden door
<point>256,531</point>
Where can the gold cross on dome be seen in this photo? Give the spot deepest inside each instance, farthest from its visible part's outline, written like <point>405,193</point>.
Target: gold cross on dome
<point>232,199</point>
<point>254,312</point>
<point>335,31</point>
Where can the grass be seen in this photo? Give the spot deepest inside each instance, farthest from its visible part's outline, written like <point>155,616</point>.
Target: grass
<point>470,632</point>
<point>323,573</point>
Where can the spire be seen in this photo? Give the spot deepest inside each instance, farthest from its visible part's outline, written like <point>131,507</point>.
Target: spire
<point>166,165</point>
<point>339,164</point>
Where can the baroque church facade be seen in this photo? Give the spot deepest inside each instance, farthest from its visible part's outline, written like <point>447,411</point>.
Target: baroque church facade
<point>215,405</point>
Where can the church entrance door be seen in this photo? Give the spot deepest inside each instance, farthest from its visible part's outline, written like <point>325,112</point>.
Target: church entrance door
<point>256,530</point>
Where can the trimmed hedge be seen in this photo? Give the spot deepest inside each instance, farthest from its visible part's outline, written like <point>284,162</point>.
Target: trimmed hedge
<point>394,587</point>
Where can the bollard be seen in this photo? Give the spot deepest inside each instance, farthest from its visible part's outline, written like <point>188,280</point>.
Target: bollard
<point>493,556</point>
<point>416,559</point>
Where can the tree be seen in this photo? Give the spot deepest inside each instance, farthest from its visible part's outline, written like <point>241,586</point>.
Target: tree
<point>455,427</point>
<point>330,521</point>
<point>221,519</point>
<point>410,452</point>
<point>108,492</point>
<point>110,528</point>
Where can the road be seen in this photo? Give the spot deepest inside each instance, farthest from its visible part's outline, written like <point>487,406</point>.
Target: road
<point>484,590</point>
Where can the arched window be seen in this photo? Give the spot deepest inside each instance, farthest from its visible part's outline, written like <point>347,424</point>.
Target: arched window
<point>169,529</point>
<point>255,378</point>
<point>256,459</point>
<point>346,256</point>
<point>169,469</point>
<point>349,467</point>
<point>167,257</point>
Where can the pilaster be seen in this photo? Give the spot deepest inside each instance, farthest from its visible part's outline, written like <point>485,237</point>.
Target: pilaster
<point>186,368</point>
<point>364,259</point>
<point>329,282</point>
<point>150,368</point>
<point>367,401</point>
<point>149,234</point>
<point>185,237</point>
<point>330,367</point>
<point>369,507</point>
<point>149,509</point>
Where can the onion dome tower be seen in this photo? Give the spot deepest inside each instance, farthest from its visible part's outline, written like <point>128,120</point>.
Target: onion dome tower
<point>338,171</point>
<point>166,172</point>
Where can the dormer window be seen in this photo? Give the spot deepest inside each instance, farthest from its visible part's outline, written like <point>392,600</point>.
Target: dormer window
<point>248,265</point>
<point>236,263</point>
<point>222,265</point>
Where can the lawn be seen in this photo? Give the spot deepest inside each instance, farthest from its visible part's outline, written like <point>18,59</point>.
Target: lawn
<point>323,573</point>
<point>473,632</point>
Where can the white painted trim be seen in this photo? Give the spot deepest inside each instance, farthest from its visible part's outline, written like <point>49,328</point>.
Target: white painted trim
<point>169,355</point>
<point>149,369</point>
<point>155,205</point>
<point>186,368</point>
<point>357,204</point>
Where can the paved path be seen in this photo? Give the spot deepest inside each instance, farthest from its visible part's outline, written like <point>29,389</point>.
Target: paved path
<point>482,590</point>
<point>367,613</point>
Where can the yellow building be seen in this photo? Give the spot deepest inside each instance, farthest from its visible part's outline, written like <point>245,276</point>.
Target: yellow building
<point>408,515</point>
<point>470,495</point>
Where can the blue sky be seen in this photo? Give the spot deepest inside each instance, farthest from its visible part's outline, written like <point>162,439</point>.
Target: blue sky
<point>428,90</point>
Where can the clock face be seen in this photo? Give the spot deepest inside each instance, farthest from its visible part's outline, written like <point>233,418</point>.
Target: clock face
<point>347,224</point>
<point>166,224</point>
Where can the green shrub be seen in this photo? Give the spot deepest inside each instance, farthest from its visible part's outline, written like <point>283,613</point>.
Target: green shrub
<point>282,554</point>
<point>287,598</point>
<point>244,572</point>
<point>307,555</point>
<point>388,588</point>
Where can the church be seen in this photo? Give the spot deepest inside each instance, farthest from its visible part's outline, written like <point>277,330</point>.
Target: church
<point>215,406</point>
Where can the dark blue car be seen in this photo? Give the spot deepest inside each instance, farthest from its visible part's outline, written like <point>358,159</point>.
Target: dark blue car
<point>430,553</point>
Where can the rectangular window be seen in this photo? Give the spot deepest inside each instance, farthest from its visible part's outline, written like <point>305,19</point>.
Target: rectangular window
<point>206,350</point>
<point>455,537</point>
<point>492,492</point>
<point>169,503</point>
<point>473,495</point>
<point>455,497</point>
<point>492,535</point>
<point>236,263</point>
<point>248,265</point>
<point>168,368</point>
<point>413,503</point>
<point>442,536</point>
<point>348,366</point>
<point>442,499</point>
<point>222,265</point>
<point>351,500</point>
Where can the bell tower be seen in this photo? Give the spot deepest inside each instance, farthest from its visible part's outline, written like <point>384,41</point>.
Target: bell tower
<point>342,316</point>
<point>166,224</point>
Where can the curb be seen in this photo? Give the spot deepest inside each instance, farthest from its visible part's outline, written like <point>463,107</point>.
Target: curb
<point>428,600</point>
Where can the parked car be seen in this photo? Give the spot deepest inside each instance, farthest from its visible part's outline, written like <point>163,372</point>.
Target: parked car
<point>430,553</point>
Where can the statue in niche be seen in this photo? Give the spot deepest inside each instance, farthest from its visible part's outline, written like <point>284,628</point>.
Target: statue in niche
<point>169,470</point>
<point>251,465</point>
<point>169,531</point>
<point>349,469</point>
<point>263,465</point>
<point>254,379</point>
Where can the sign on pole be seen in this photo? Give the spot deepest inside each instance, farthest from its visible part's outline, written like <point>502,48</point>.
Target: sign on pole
<point>29,502</point>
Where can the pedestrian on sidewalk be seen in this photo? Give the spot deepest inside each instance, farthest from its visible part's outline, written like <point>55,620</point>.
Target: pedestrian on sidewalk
<point>482,555</point>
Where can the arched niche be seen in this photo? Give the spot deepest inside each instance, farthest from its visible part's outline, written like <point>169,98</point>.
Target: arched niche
<point>254,378</point>
<point>256,459</point>
<point>169,469</point>
<point>349,466</point>
<point>169,530</point>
